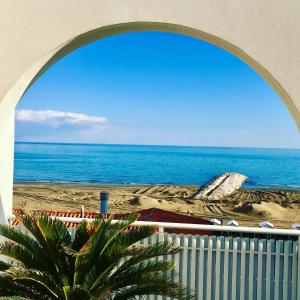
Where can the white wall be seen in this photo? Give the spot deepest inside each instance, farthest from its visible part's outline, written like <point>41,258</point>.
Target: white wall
<point>6,165</point>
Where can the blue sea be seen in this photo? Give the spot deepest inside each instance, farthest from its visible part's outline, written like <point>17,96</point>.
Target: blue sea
<point>132,164</point>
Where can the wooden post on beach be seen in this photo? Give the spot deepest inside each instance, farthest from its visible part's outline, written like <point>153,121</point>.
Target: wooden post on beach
<point>82,211</point>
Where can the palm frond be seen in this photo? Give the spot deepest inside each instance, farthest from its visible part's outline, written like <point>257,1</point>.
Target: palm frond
<point>52,236</point>
<point>111,231</point>
<point>135,275</point>
<point>4,265</point>
<point>18,237</point>
<point>58,239</point>
<point>81,236</point>
<point>135,234</point>
<point>38,278</point>
<point>18,253</point>
<point>93,253</point>
<point>27,243</point>
<point>10,287</point>
<point>152,251</point>
<point>151,283</point>
<point>54,230</point>
<point>104,261</point>
<point>76,293</point>
<point>163,289</point>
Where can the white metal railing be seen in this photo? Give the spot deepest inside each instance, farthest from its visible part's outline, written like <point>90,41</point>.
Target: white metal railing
<point>236,268</point>
<point>202,227</point>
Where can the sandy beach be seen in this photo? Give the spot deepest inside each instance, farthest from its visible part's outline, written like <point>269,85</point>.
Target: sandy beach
<point>249,207</point>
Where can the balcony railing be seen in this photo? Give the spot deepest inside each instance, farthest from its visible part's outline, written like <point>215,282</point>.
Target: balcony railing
<point>219,267</point>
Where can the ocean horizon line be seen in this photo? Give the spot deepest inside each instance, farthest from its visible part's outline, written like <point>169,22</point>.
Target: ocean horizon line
<point>153,145</point>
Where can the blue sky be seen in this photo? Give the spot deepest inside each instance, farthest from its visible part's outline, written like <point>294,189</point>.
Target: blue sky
<point>154,88</point>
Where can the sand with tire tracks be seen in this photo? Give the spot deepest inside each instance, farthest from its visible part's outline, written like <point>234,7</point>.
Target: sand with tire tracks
<point>249,207</point>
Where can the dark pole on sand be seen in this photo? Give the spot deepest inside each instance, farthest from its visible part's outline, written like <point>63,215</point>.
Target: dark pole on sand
<point>104,202</point>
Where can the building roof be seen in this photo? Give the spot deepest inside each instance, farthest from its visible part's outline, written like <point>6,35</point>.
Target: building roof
<point>160,215</point>
<point>151,215</point>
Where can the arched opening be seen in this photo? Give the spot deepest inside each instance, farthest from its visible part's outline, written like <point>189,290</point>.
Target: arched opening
<point>124,104</point>
<point>50,57</point>
<point>265,34</point>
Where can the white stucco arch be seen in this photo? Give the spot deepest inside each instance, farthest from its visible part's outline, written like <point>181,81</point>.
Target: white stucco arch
<point>35,34</point>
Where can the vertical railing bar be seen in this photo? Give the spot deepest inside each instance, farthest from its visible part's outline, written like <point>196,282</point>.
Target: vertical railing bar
<point>259,270</point>
<point>156,239</point>
<point>217,273</point>
<point>185,259</point>
<point>243,269</point>
<point>234,270</point>
<point>285,271</point>
<point>225,279</point>
<point>160,239</point>
<point>251,270</point>
<point>294,271</point>
<point>298,273</point>
<point>277,272</point>
<point>193,262</point>
<point>201,266</point>
<point>268,270</point>
<point>181,272</point>
<point>152,240</point>
<point>209,269</point>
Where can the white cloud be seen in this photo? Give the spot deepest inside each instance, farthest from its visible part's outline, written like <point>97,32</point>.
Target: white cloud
<point>57,118</point>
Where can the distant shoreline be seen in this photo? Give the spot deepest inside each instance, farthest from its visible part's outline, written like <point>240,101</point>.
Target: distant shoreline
<point>270,188</point>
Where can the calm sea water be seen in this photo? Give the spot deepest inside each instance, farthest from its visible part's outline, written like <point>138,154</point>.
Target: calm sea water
<point>131,164</point>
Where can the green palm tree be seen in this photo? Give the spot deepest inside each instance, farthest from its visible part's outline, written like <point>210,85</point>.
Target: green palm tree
<point>103,261</point>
